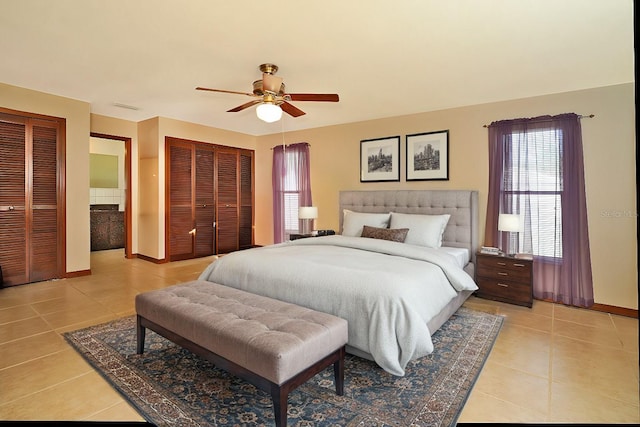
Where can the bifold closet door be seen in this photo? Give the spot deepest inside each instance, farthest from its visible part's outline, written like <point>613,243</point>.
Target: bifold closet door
<point>191,201</point>
<point>209,199</point>
<point>227,201</point>
<point>13,218</point>
<point>31,240</point>
<point>43,232</point>
<point>205,208</point>
<point>245,238</point>
<point>181,209</point>
<point>234,200</point>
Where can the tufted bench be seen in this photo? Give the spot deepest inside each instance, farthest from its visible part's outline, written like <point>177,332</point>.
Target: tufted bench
<point>274,345</point>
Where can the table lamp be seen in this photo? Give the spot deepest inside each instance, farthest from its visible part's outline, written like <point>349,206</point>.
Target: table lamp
<point>509,223</point>
<point>307,214</point>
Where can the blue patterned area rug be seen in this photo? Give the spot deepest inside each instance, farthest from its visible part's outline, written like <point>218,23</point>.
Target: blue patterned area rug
<point>172,387</point>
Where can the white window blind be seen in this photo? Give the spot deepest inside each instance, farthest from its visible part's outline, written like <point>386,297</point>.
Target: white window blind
<point>291,212</point>
<point>291,195</point>
<point>534,186</point>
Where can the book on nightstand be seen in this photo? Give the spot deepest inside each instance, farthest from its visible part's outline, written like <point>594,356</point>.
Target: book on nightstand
<point>490,250</point>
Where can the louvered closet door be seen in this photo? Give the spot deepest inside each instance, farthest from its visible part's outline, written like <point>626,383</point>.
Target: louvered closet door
<point>44,204</point>
<point>13,232</point>
<point>227,201</point>
<point>181,224</point>
<point>31,211</point>
<point>246,200</point>
<point>204,202</point>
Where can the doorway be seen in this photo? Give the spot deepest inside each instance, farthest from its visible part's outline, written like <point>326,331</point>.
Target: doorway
<point>119,199</point>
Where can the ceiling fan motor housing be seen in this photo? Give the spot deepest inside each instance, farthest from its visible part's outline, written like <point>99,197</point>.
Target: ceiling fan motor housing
<point>257,89</point>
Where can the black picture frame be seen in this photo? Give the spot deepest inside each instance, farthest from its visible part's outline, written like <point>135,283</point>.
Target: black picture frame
<point>380,159</point>
<point>427,156</point>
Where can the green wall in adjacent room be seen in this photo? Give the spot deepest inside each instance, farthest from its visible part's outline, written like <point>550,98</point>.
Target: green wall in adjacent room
<point>103,171</point>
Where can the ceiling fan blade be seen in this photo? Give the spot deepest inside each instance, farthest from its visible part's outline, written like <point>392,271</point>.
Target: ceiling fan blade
<point>326,97</point>
<point>225,91</point>
<point>244,106</point>
<point>291,110</point>
<point>271,83</point>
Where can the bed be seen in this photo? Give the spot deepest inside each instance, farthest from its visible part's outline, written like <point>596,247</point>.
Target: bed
<point>394,294</point>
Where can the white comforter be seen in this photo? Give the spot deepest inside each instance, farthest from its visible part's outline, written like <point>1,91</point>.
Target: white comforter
<point>387,291</point>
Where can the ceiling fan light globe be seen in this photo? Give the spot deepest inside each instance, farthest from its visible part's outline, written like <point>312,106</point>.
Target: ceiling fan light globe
<point>269,112</point>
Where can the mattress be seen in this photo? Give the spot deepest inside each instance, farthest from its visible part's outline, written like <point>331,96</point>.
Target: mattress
<point>461,255</point>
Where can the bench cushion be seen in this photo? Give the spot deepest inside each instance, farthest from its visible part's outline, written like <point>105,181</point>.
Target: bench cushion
<point>274,339</point>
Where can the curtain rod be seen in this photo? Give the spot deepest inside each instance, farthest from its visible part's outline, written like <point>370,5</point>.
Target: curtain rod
<point>589,116</point>
<point>293,143</point>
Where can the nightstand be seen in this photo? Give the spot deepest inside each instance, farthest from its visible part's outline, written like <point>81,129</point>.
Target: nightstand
<point>317,233</point>
<point>299,236</point>
<point>504,278</point>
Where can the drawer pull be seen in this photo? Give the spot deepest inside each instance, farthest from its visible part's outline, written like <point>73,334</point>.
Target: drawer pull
<point>504,285</point>
<point>501,263</point>
<point>518,265</point>
<point>501,273</point>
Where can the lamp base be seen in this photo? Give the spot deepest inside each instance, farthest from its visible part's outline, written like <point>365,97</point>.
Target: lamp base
<point>307,225</point>
<point>510,246</point>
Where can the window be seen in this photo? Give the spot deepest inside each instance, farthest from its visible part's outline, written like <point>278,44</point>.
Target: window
<point>533,188</point>
<point>291,188</point>
<point>536,170</point>
<point>291,222</point>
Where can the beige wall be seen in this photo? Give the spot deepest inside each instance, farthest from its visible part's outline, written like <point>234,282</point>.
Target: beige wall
<point>149,185</point>
<point>609,155</point>
<point>609,149</point>
<point>76,114</point>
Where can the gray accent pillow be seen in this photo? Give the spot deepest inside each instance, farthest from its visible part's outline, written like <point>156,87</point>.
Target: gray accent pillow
<point>393,234</point>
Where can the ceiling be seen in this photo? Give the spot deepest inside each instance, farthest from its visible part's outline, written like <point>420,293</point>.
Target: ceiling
<point>384,58</point>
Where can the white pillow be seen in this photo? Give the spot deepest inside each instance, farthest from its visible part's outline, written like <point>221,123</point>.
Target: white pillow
<point>424,230</point>
<point>353,222</point>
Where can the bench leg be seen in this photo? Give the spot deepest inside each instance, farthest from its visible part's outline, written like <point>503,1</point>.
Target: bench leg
<point>338,373</point>
<point>279,397</point>
<point>140,335</point>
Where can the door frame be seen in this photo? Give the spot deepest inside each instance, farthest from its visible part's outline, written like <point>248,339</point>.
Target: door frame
<point>127,177</point>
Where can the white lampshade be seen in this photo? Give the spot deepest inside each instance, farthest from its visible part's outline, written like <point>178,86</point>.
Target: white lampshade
<point>269,112</point>
<point>509,222</point>
<point>308,212</point>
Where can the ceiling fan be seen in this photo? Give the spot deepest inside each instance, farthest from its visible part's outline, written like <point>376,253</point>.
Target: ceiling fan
<point>270,94</point>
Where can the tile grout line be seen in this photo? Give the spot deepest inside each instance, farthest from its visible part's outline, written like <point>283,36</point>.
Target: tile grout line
<point>551,353</point>
<point>49,387</point>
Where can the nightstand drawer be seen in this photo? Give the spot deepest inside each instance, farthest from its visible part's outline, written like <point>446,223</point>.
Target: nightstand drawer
<point>503,290</point>
<point>505,270</point>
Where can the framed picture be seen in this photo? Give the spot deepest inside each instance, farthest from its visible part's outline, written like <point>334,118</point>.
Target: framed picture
<point>428,156</point>
<point>380,159</point>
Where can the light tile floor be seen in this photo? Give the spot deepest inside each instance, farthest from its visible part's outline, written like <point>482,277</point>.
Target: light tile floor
<point>550,363</point>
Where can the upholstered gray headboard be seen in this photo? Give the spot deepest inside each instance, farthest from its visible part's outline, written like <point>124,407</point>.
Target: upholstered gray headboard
<point>462,205</point>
